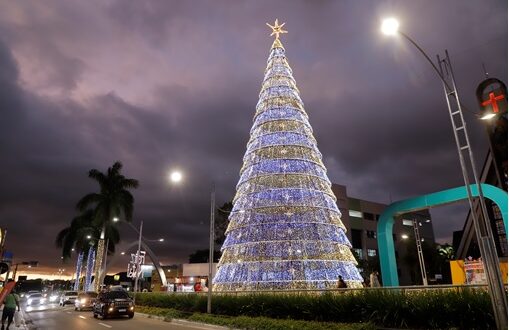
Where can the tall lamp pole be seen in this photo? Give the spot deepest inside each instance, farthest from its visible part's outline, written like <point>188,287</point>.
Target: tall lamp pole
<point>482,226</point>
<point>211,246</point>
<point>138,260</point>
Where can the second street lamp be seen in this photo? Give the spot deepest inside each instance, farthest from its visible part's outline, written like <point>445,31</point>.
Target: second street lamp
<point>482,228</point>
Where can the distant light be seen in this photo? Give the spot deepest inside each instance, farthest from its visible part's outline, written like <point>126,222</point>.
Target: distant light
<point>420,223</point>
<point>191,279</point>
<point>176,177</point>
<point>298,251</point>
<point>404,236</point>
<point>428,220</point>
<point>89,237</point>
<point>72,249</point>
<point>161,240</point>
<point>488,116</point>
<point>61,257</point>
<point>390,26</point>
<point>422,239</point>
<point>115,219</point>
<point>122,253</point>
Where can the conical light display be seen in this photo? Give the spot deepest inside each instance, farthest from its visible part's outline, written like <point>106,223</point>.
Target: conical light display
<point>285,229</point>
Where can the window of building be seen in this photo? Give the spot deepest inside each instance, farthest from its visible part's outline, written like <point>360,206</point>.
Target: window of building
<point>355,214</point>
<point>369,216</point>
<point>496,212</point>
<point>408,222</point>
<point>356,238</point>
<point>371,233</point>
<point>371,253</point>
<point>377,217</point>
<point>359,253</point>
<point>500,227</point>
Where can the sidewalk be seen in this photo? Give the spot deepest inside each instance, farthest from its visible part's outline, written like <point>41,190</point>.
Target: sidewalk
<point>24,320</point>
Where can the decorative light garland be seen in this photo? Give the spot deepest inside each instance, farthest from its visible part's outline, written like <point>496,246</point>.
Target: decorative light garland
<point>90,268</point>
<point>79,263</point>
<point>98,264</point>
<point>285,229</point>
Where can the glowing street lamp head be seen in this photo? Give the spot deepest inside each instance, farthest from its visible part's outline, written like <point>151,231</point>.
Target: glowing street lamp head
<point>89,237</point>
<point>390,26</point>
<point>161,240</point>
<point>404,236</point>
<point>176,177</point>
<point>488,116</point>
<point>115,219</point>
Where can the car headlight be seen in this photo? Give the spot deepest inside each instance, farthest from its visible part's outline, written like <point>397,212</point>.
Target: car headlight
<point>43,300</point>
<point>53,298</point>
<point>29,301</point>
<point>83,301</point>
<point>112,305</point>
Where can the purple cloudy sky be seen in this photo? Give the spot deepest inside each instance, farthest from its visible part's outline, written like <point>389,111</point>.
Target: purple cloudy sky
<point>173,84</point>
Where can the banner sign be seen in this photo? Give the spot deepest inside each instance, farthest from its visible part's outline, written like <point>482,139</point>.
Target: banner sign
<point>134,266</point>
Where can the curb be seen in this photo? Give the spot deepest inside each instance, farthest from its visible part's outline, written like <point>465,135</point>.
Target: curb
<point>197,325</point>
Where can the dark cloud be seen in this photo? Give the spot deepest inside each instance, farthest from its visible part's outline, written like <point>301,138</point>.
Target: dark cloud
<point>162,85</point>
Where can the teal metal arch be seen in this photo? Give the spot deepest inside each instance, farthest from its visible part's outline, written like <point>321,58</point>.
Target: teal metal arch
<point>386,221</point>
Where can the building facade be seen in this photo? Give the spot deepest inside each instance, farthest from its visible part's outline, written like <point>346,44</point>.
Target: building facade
<point>360,218</point>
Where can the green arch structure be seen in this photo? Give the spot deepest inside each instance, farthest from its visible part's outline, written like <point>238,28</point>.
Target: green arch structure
<point>386,222</point>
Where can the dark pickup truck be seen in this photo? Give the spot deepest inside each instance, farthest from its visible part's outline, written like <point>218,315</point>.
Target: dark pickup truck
<point>113,303</point>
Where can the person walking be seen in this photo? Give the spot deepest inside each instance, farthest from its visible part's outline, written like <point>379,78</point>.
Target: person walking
<point>341,283</point>
<point>10,304</point>
<point>373,280</point>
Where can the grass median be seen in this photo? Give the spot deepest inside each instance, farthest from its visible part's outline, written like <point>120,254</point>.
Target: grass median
<point>246,322</point>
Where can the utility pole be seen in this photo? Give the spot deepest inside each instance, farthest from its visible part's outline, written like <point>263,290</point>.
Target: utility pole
<point>211,246</point>
<point>137,260</point>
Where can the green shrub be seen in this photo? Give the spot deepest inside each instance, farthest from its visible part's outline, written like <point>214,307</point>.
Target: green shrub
<point>463,308</point>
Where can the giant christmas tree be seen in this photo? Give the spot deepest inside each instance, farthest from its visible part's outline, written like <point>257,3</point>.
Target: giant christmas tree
<point>285,230</point>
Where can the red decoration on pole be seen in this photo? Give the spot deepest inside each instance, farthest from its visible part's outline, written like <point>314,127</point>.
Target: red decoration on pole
<point>493,101</point>
<point>6,290</point>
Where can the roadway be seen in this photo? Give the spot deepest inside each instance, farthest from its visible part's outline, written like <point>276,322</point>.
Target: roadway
<point>55,317</point>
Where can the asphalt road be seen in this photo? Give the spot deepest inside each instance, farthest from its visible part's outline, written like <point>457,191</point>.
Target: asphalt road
<point>55,317</point>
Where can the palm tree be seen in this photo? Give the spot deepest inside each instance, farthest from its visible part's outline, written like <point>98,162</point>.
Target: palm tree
<point>114,198</point>
<point>76,236</point>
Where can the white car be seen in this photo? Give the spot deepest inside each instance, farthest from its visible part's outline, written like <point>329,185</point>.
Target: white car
<point>68,297</point>
<point>35,299</point>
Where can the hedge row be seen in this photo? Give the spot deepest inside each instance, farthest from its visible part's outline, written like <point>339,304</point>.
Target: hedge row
<point>465,309</point>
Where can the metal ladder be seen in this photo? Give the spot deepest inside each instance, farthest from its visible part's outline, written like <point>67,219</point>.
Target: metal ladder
<point>419,253</point>
<point>482,224</point>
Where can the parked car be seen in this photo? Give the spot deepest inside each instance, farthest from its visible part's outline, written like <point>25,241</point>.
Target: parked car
<point>68,297</point>
<point>35,299</point>
<point>113,303</point>
<point>85,300</point>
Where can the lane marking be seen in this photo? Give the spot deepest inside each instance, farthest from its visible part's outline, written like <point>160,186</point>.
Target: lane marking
<point>82,317</point>
<point>105,325</point>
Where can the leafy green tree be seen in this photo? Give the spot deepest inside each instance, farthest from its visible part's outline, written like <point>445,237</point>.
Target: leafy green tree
<point>366,266</point>
<point>202,256</point>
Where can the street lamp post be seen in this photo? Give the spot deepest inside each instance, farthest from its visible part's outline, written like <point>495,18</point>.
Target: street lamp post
<point>482,227</point>
<point>211,246</point>
<point>137,260</point>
